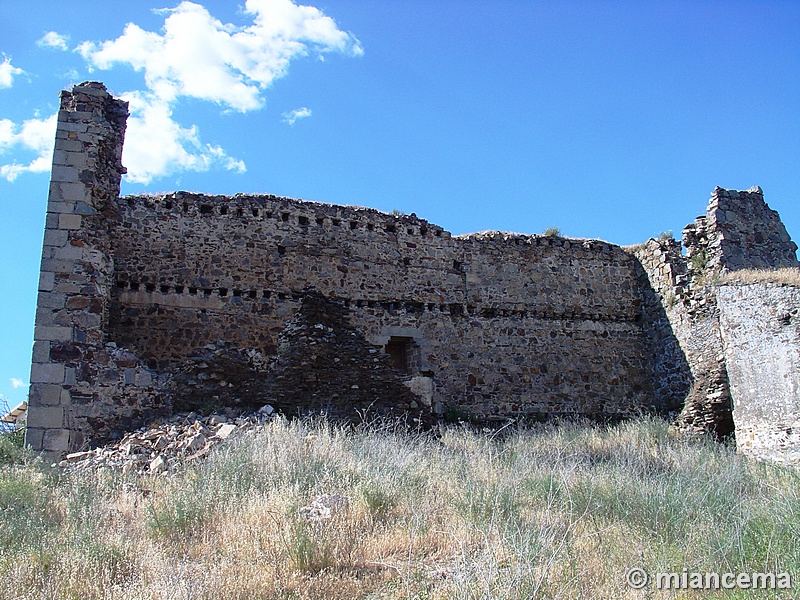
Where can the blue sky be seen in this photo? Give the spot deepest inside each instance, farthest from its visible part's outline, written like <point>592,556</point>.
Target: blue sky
<point>607,119</point>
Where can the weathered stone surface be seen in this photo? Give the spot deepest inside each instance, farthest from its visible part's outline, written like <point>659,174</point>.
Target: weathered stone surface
<point>184,301</point>
<point>761,328</point>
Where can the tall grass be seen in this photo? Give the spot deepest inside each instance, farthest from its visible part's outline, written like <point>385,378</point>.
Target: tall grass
<point>553,511</point>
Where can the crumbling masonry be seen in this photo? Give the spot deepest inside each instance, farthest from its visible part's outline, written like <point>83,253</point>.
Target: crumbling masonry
<point>154,304</point>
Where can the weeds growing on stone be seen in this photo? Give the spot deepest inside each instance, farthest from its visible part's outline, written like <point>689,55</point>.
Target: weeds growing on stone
<point>548,511</point>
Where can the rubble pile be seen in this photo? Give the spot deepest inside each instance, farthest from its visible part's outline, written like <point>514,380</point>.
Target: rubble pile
<point>161,447</point>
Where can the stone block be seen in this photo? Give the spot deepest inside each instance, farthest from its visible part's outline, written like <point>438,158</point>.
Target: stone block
<point>69,376</point>
<point>46,417</point>
<point>68,253</point>
<point>61,173</point>
<point>47,281</point>
<point>33,438</point>
<point>73,127</point>
<point>81,208</point>
<point>69,221</point>
<point>56,440</point>
<point>52,333</point>
<point>69,145</point>
<point>58,266</point>
<point>75,192</point>
<point>75,159</point>
<point>55,237</point>
<point>41,351</point>
<point>143,379</point>
<point>51,221</point>
<point>60,207</point>
<point>47,373</point>
<point>45,394</point>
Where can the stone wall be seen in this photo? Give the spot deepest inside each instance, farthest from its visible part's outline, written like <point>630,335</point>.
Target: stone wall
<point>183,301</point>
<point>77,379</point>
<point>507,325</point>
<point>761,328</point>
<point>739,231</point>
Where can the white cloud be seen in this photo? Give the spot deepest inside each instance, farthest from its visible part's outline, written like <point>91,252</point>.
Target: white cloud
<point>37,135</point>
<point>7,72</point>
<point>17,383</point>
<point>298,113</point>
<point>200,57</point>
<point>52,39</point>
<point>155,145</point>
<point>194,55</point>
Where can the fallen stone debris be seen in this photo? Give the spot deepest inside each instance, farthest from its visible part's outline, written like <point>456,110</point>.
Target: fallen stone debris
<point>325,507</point>
<point>161,447</point>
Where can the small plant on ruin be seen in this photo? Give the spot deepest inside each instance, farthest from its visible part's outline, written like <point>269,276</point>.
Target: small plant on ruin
<point>698,261</point>
<point>666,235</point>
<point>552,232</point>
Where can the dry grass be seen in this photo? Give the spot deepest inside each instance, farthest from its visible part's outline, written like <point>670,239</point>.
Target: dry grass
<point>545,512</point>
<point>787,276</point>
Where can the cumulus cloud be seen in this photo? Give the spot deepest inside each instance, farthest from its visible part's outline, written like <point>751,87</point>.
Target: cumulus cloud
<point>155,145</point>
<point>34,135</point>
<point>52,39</point>
<point>195,55</point>
<point>8,72</point>
<point>200,57</point>
<point>17,383</point>
<point>298,113</point>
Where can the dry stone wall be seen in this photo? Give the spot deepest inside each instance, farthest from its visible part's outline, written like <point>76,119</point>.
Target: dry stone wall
<point>182,301</point>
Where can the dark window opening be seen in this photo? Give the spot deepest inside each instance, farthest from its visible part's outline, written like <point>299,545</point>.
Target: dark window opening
<point>255,212</point>
<point>320,221</point>
<point>391,228</point>
<point>252,294</point>
<point>237,293</point>
<point>353,224</point>
<point>193,290</point>
<point>410,231</point>
<point>178,289</point>
<point>168,205</point>
<point>223,292</point>
<point>281,250</point>
<point>206,209</point>
<point>285,217</point>
<point>302,220</point>
<point>405,354</point>
<point>223,210</point>
<point>336,222</point>
<point>239,212</point>
<point>371,226</point>
<point>134,286</point>
<point>164,289</point>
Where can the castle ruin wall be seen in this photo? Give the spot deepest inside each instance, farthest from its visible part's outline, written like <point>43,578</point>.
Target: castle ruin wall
<point>182,301</point>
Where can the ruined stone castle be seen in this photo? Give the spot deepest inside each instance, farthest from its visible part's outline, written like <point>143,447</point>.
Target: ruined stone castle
<point>150,305</point>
